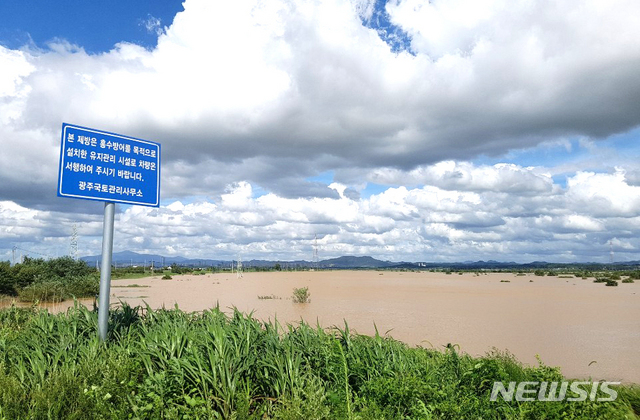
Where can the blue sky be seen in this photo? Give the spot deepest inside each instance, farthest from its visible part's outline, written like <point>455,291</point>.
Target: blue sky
<point>405,130</point>
<point>95,26</point>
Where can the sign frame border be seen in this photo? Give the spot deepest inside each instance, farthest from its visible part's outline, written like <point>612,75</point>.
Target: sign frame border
<point>96,131</point>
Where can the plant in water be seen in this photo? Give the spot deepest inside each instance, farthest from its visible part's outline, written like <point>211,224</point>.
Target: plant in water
<point>301,295</point>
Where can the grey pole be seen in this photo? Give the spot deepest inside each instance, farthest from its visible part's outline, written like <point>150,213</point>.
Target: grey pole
<point>105,270</point>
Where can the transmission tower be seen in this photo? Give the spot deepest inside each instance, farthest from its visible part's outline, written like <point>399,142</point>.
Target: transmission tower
<point>316,261</point>
<point>74,242</point>
<point>239,267</point>
<point>611,252</point>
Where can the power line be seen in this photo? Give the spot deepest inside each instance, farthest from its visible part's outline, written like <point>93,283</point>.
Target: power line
<point>16,248</point>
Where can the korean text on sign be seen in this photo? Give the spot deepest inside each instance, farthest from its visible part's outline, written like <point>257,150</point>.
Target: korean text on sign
<point>104,166</point>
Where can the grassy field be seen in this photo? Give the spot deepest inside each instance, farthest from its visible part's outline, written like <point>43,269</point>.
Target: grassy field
<point>170,364</point>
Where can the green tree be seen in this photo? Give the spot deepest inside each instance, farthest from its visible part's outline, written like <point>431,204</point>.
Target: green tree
<point>28,272</point>
<point>7,282</point>
<point>66,267</point>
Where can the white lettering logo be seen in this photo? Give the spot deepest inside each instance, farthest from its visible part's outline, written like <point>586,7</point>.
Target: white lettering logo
<point>554,391</point>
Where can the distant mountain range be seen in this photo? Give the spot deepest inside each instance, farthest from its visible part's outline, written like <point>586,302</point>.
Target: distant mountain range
<point>130,258</point>
<point>134,258</point>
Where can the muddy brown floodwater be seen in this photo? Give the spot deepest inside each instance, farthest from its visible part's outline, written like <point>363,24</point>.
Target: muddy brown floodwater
<point>587,329</point>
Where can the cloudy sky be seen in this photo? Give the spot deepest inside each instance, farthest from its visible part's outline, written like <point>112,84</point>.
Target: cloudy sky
<point>416,130</point>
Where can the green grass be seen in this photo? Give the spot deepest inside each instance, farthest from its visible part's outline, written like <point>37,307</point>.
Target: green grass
<point>170,364</point>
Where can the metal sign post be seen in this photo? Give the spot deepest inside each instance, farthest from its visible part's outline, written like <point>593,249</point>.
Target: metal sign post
<point>103,166</point>
<point>105,270</point>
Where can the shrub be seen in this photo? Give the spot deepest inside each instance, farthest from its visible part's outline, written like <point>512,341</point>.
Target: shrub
<point>55,289</point>
<point>38,279</point>
<point>82,286</point>
<point>611,283</point>
<point>46,291</point>
<point>301,295</point>
<point>166,277</point>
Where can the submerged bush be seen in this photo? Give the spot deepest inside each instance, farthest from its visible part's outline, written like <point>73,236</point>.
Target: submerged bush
<point>301,295</point>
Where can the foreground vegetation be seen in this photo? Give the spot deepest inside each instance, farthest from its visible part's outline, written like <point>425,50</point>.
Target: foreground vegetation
<point>169,364</point>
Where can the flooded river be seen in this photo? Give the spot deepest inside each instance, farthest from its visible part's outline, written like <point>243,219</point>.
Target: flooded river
<point>587,329</point>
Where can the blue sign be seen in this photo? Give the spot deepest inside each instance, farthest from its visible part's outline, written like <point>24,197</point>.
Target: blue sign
<point>97,165</point>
